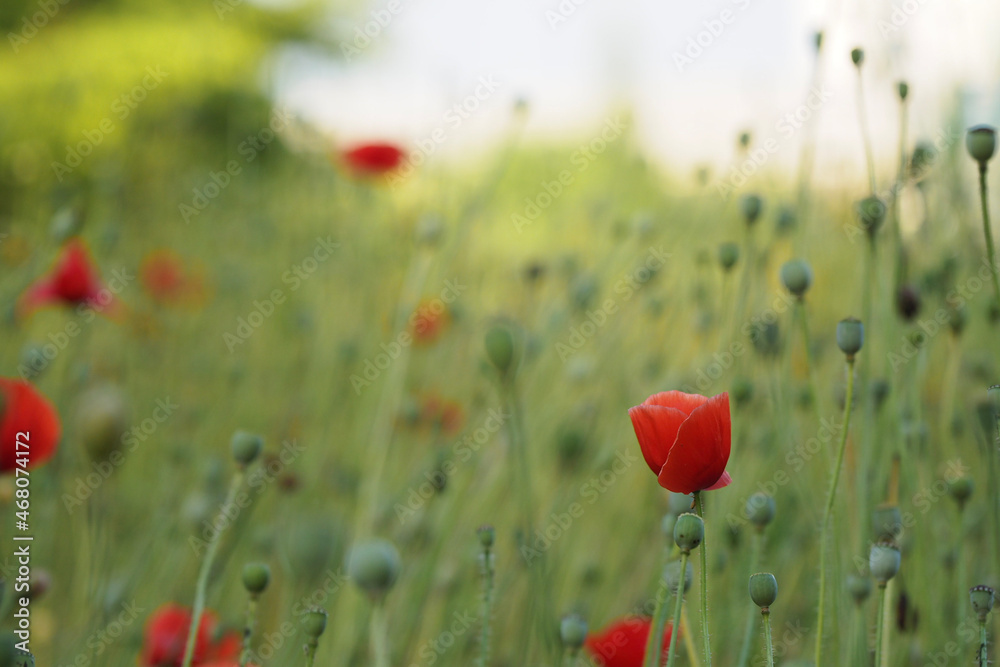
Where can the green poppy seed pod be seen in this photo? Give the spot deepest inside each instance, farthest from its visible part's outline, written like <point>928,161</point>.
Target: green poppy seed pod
<point>374,566</point>
<point>101,421</point>
<point>729,254</point>
<point>741,391</point>
<point>880,388</point>
<point>763,589</point>
<point>871,214</point>
<point>314,622</point>
<point>859,588</point>
<point>760,509</point>
<point>883,561</point>
<point>887,522</point>
<point>796,276</point>
<point>679,503</point>
<point>745,139</point>
<point>982,600</point>
<point>818,40</point>
<point>256,576</point>
<point>857,56</point>
<point>667,525</point>
<point>957,319</point>
<point>500,349</point>
<point>961,489</point>
<point>903,89</point>
<point>689,531</point>
<point>850,336</point>
<point>672,576</point>
<point>573,631</point>
<point>981,142</point>
<point>246,447</point>
<point>786,220</point>
<point>751,206</point>
<point>487,536</point>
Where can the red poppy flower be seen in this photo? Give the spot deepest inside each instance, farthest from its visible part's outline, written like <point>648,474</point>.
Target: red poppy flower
<point>685,439</point>
<point>428,321</point>
<point>24,410</point>
<point>73,281</point>
<point>442,413</point>
<point>165,278</point>
<point>374,158</point>
<point>166,636</point>
<point>623,643</point>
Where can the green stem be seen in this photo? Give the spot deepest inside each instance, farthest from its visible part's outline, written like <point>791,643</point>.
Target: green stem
<point>379,635</point>
<point>880,625</point>
<point>654,643</point>
<point>866,137</point>
<point>700,505</point>
<point>900,181</point>
<point>766,615</point>
<point>571,657</point>
<point>678,604</point>
<point>206,567</point>
<point>747,646</point>
<point>310,650</point>
<point>828,509</point>
<point>988,232</point>
<point>983,657</point>
<point>248,630</point>
<point>484,640</point>
<point>991,472</point>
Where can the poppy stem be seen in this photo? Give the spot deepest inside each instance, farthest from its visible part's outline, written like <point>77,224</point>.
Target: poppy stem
<point>654,643</point>
<point>486,563</point>
<point>206,566</point>
<point>766,615</point>
<point>248,629</point>
<point>379,635</point>
<point>988,232</point>
<point>983,654</point>
<point>700,507</point>
<point>744,658</point>
<point>828,509</point>
<point>310,649</point>
<point>692,650</point>
<point>678,605</point>
<point>865,136</point>
<point>880,624</point>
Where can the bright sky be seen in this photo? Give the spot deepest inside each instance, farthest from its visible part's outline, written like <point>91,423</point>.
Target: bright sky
<point>577,62</point>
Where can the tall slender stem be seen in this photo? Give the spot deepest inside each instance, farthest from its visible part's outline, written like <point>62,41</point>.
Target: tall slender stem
<point>700,506</point>
<point>766,615</point>
<point>897,223</point>
<point>248,630</point>
<point>983,657</point>
<point>484,639</point>
<point>678,605</point>
<point>379,635</point>
<point>828,509</point>
<point>865,136</point>
<point>747,646</point>
<point>880,624</point>
<point>988,232</point>
<point>206,567</point>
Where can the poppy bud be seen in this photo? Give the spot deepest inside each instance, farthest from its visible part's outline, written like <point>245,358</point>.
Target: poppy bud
<point>957,320</point>
<point>818,39</point>
<point>374,566</point>
<point>908,302</point>
<point>314,622</point>
<point>500,349</point>
<point>751,206</point>
<point>871,213</point>
<point>672,576</point>
<point>857,56</point>
<point>859,588</point>
<point>745,138</point>
<point>981,598</point>
<point>256,576</point>
<point>729,254</point>
<point>887,522</point>
<point>573,631</point>
<point>679,503</point>
<point>741,391</point>
<point>903,89</point>
<point>850,336</point>
<point>487,536</point>
<point>246,447</point>
<point>763,589</point>
<point>101,421</point>
<point>981,142</point>
<point>786,221</point>
<point>760,509</point>
<point>880,391</point>
<point>961,490</point>
<point>796,276</point>
<point>884,561</point>
<point>689,531</point>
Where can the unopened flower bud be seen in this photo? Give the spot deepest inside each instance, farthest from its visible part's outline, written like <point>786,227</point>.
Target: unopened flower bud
<point>500,349</point>
<point>981,142</point>
<point>960,490</point>
<point>884,561</point>
<point>256,576</point>
<point>751,206</point>
<point>689,531</point>
<point>850,336</point>
<point>859,588</point>
<point>573,631</point>
<point>763,589</point>
<point>871,214</point>
<point>246,447</point>
<point>903,89</point>
<point>374,566</point>
<point>796,276</point>
<point>487,536</point>
<point>857,56</point>
<point>760,509</point>
<point>729,254</point>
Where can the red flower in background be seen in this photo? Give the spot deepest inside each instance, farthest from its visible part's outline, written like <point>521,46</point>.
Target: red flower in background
<point>623,643</point>
<point>428,321</point>
<point>24,410</point>
<point>374,158</point>
<point>166,635</point>
<point>685,439</point>
<point>442,413</point>
<point>73,281</point>
<point>167,280</point>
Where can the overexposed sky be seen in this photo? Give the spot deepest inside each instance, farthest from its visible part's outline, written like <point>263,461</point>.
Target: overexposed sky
<point>578,61</point>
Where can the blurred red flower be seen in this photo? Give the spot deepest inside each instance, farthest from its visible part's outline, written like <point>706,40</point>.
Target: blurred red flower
<point>374,158</point>
<point>623,643</point>
<point>24,410</point>
<point>428,321</point>
<point>74,280</point>
<point>166,635</point>
<point>685,439</point>
<point>165,278</point>
<point>442,413</point>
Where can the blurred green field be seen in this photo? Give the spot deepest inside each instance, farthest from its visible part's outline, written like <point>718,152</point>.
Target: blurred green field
<point>308,276</point>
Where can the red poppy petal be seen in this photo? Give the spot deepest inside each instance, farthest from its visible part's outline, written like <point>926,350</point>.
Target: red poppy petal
<point>656,429</point>
<point>686,403</point>
<point>699,457</point>
<point>725,480</point>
